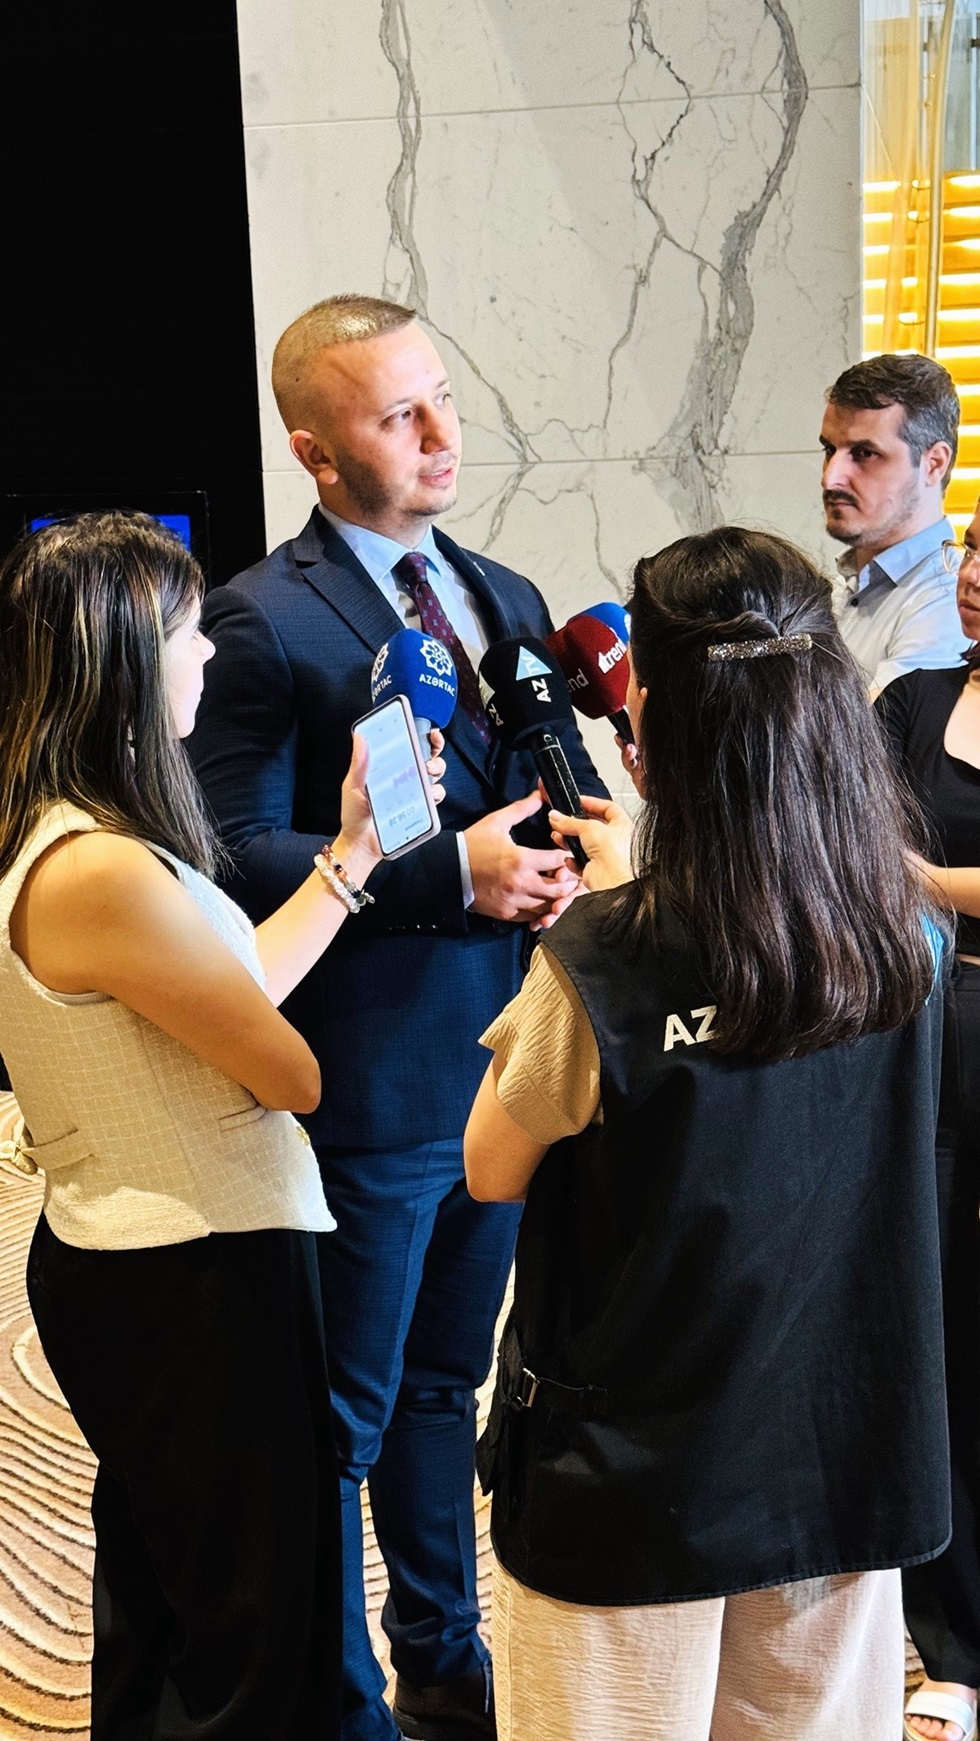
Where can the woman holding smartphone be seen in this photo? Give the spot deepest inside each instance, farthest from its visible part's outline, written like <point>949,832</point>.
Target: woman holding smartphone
<point>718,1426</point>
<point>173,1272</point>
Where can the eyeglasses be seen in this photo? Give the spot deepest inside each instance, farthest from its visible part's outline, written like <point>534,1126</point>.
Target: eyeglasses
<point>955,556</point>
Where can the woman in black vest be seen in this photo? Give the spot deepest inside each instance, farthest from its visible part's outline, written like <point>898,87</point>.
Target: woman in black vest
<point>719,1418</point>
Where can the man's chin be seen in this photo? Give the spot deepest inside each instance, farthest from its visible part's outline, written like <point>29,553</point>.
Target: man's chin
<point>842,534</point>
<point>436,502</point>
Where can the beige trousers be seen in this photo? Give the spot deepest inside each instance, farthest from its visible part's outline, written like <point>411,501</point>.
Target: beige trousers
<point>817,1661</point>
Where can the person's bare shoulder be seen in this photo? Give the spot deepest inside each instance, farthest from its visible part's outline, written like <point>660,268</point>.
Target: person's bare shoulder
<point>83,894</point>
<point>95,870</point>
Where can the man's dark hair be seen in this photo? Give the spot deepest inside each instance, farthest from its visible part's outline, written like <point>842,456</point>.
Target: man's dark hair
<point>922,387</point>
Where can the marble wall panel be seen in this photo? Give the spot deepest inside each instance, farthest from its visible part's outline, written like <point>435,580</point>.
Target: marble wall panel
<point>633,230</point>
<point>318,60</point>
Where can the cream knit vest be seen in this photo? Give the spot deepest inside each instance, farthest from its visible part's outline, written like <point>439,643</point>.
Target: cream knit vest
<point>142,1142</point>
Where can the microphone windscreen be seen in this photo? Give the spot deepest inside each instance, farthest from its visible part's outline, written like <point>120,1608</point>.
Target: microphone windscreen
<point>418,667</point>
<point>614,615</point>
<point>593,658</point>
<point>524,690</point>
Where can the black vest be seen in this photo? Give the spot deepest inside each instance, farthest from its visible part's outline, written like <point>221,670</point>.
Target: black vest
<point>727,1314</point>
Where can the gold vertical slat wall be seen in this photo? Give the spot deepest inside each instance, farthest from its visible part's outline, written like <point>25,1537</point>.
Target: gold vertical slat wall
<point>904,112</point>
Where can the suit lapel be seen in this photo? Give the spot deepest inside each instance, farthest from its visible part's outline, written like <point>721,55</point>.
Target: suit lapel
<point>499,626</point>
<point>495,607</point>
<point>332,569</point>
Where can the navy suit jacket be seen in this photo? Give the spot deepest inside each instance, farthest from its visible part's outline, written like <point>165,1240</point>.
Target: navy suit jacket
<point>395,1007</point>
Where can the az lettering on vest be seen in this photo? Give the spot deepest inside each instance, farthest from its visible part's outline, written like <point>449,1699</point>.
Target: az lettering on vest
<point>677,1031</point>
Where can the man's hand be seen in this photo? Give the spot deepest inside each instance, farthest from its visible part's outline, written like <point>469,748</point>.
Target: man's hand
<point>511,881</point>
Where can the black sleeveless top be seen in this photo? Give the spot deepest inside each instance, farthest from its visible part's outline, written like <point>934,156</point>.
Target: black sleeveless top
<point>915,710</point>
<point>727,1310</point>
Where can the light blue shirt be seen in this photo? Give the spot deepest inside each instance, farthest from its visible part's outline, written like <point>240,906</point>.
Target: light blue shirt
<point>378,556</point>
<point>898,613</point>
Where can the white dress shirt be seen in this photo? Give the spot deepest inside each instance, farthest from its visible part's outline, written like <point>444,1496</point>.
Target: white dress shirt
<point>898,613</point>
<point>378,556</point>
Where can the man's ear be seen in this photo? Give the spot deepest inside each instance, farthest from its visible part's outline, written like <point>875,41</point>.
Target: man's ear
<point>312,456</point>
<point>936,462</point>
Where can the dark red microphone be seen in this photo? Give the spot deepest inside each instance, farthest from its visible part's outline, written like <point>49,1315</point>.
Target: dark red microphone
<point>592,656</point>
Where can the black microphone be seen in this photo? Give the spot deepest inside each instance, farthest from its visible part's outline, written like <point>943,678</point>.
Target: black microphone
<point>526,695</point>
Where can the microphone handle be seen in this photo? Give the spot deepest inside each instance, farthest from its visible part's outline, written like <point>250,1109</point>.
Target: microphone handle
<point>557,780</point>
<point>423,727</point>
<point>621,721</point>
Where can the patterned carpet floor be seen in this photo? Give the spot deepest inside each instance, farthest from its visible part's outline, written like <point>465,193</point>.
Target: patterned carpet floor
<point>46,1474</point>
<point>46,1545</point>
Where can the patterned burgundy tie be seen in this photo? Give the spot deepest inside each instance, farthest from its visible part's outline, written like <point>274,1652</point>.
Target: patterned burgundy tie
<point>410,570</point>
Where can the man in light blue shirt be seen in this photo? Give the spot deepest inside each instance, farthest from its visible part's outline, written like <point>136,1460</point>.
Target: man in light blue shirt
<point>889,439</point>
<point>415,1271</point>
<point>379,556</point>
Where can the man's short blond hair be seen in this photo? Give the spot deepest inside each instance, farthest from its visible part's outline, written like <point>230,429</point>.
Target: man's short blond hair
<point>338,320</point>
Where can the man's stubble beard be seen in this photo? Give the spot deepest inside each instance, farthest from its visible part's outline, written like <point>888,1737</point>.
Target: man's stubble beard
<point>366,489</point>
<point>849,538</point>
<point>373,496</point>
<point>882,535</point>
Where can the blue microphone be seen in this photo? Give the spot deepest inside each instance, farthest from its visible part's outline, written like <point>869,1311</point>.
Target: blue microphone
<point>418,667</point>
<point>613,615</point>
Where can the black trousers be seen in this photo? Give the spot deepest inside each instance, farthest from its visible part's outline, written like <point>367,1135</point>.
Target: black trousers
<point>198,1375</point>
<point>942,1598</point>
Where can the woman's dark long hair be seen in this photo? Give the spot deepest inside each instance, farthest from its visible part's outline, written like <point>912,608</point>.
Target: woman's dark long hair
<point>774,826</point>
<point>86,606</point>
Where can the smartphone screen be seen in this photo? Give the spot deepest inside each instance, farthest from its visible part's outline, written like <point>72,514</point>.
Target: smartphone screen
<point>397,784</point>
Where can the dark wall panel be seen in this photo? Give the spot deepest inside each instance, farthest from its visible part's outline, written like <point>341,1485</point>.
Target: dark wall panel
<point>127,334</point>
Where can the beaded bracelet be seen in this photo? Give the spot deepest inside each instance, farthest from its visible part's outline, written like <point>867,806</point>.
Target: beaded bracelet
<point>339,883</point>
<point>360,895</point>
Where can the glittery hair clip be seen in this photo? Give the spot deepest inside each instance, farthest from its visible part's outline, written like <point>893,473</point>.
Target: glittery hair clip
<point>760,649</point>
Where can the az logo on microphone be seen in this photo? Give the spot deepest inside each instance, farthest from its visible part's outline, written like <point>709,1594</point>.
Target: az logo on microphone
<point>529,665</point>
<point>486,696</point>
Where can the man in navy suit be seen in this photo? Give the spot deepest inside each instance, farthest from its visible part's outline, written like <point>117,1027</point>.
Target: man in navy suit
<point>414,1275</point>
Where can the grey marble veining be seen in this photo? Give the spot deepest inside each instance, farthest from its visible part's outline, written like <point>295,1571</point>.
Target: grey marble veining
<point>631,226</point>
<point>303,60</point>
<point>405,275</point>
<point>689,464</point>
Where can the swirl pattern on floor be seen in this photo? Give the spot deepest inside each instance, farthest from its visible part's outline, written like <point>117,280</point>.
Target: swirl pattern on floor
<point>46,1475</point>
<point>46,1544</point>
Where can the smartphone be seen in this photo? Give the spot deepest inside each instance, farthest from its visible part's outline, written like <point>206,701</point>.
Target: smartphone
<point>397,784</point>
